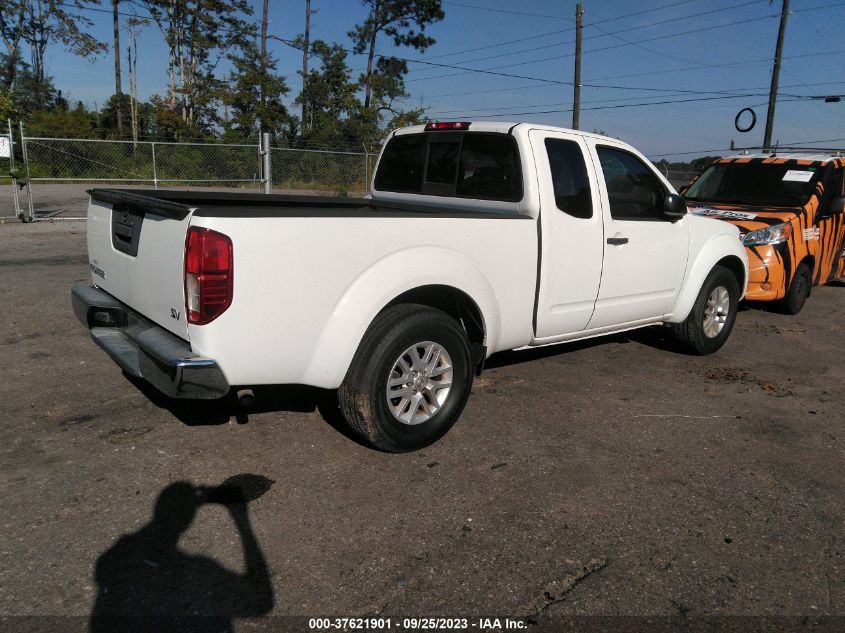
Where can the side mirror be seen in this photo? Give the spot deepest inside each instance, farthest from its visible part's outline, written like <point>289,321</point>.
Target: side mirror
<point>674,207</point>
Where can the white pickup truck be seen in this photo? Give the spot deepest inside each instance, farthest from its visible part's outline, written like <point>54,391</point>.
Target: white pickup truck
<point>477,238</point>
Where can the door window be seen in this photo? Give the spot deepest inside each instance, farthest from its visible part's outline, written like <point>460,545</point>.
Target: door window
<point>569,177</point>
<point>832,189</point>
<point>634,192</point>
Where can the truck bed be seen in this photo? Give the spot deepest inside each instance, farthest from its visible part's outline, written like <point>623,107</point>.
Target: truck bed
<point>310,273</point>
<point>178,204</point>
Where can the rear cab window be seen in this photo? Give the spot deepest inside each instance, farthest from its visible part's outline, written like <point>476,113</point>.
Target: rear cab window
<point>474,165</point>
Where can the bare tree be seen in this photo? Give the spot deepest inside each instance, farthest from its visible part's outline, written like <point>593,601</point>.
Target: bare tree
<point>12,18</point>
<point>52,21</point>
<point>197,33</point>
<point>132,28</point>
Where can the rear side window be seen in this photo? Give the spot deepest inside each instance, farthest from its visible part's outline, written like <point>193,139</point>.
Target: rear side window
<point>478,165</point>
<point>569,176</point>
<point>634,192</point>
<point>489,168</point>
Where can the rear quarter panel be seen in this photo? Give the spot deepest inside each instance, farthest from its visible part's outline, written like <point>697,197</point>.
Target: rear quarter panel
<point>307,288</point>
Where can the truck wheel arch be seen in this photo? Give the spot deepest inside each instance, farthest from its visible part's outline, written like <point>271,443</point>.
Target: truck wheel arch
<point>734,264</point>
<point>454,285</point>
<point>457,304</point>
<point>712,254</point>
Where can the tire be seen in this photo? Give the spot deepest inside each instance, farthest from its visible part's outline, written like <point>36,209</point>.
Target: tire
<point>798,291</point>
<point>712,317</point>
<point>418,350</point>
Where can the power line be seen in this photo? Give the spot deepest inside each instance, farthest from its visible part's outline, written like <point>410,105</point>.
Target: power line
<point>652,72</point>
<point>595,50</point>
<point>478,92</point>
<point>605,33</point>
<point>792,98</point>
<point>505,43</point>
<point>628,105</point>
<point>788,99</point>
<point>728,149</point>
<point>607,48</point>
<point>559,31</point>
<point>625,99</point>
<point>520,13</point>
<point>124,14</point>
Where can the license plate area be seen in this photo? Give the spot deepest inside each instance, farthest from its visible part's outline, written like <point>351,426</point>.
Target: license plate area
<point>126,229</point>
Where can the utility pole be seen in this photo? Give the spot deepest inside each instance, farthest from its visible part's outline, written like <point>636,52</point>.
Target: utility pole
<point>576,97</point>
<point>264,65</point>
<point>773,91</point>
<point>305,45</point>
<point>118,92</point>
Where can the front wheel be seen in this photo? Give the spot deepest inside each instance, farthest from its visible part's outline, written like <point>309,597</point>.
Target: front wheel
<point>409,379</point>
<point>712,317</point>
<point>798,291</point>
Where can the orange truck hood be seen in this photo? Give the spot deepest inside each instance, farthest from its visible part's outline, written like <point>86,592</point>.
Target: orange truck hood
<point>746,217</point>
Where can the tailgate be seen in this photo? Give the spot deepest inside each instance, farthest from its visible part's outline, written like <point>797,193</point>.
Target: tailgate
<point>136,249</point>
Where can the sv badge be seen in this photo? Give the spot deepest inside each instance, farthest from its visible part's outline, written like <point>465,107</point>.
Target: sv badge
<point>175,314</point>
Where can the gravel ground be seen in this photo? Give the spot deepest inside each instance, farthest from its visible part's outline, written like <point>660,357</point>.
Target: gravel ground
<point>607,478</point>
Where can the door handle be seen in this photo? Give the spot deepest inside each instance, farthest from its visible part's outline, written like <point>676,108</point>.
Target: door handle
<point>617,241</point>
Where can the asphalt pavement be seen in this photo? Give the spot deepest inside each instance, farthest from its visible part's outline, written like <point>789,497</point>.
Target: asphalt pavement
<point>610,478</point>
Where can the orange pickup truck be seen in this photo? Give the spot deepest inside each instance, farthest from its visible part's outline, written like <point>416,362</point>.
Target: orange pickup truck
<point>790,210</point>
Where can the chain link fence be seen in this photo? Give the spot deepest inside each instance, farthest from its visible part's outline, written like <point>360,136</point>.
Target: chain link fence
<point>680,178</point>
<point>10,199</point>
<point>58,171</point>
<point>221,164</point>
<point>321,171</point>
<point>10,207</point>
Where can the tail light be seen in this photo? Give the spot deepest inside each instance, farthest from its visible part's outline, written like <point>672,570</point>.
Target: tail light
<point>208,275</point>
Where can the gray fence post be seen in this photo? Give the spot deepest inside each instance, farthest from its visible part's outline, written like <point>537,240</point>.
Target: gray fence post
<point>266,163</point>
<point>366,170</point>
<point>155,171</point>
<point>30,215</point>
<point>18,211</point>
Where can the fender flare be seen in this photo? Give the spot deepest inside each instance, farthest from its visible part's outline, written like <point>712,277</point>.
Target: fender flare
<point>377,286</point>
<point>714,250</point>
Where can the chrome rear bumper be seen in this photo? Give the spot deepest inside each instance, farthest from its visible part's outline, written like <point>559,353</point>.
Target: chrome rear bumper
<point>145,350</point>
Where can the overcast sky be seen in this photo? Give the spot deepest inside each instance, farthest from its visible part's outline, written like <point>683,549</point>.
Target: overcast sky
<point>711,58</point>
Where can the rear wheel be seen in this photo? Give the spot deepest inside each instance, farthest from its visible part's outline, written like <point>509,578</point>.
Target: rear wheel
<point>409,379</point>
<point>712,317</point>
<point>799,290</point>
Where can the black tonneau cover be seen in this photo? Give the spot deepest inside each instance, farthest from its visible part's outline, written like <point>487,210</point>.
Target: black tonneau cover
<point>177,204</point>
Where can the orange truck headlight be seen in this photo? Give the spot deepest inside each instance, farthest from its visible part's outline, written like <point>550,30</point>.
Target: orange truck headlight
<point>768,235</point>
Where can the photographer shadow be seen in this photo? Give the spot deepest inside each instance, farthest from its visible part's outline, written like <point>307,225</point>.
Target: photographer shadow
<point>268,399</point>
<point>146,582</point>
